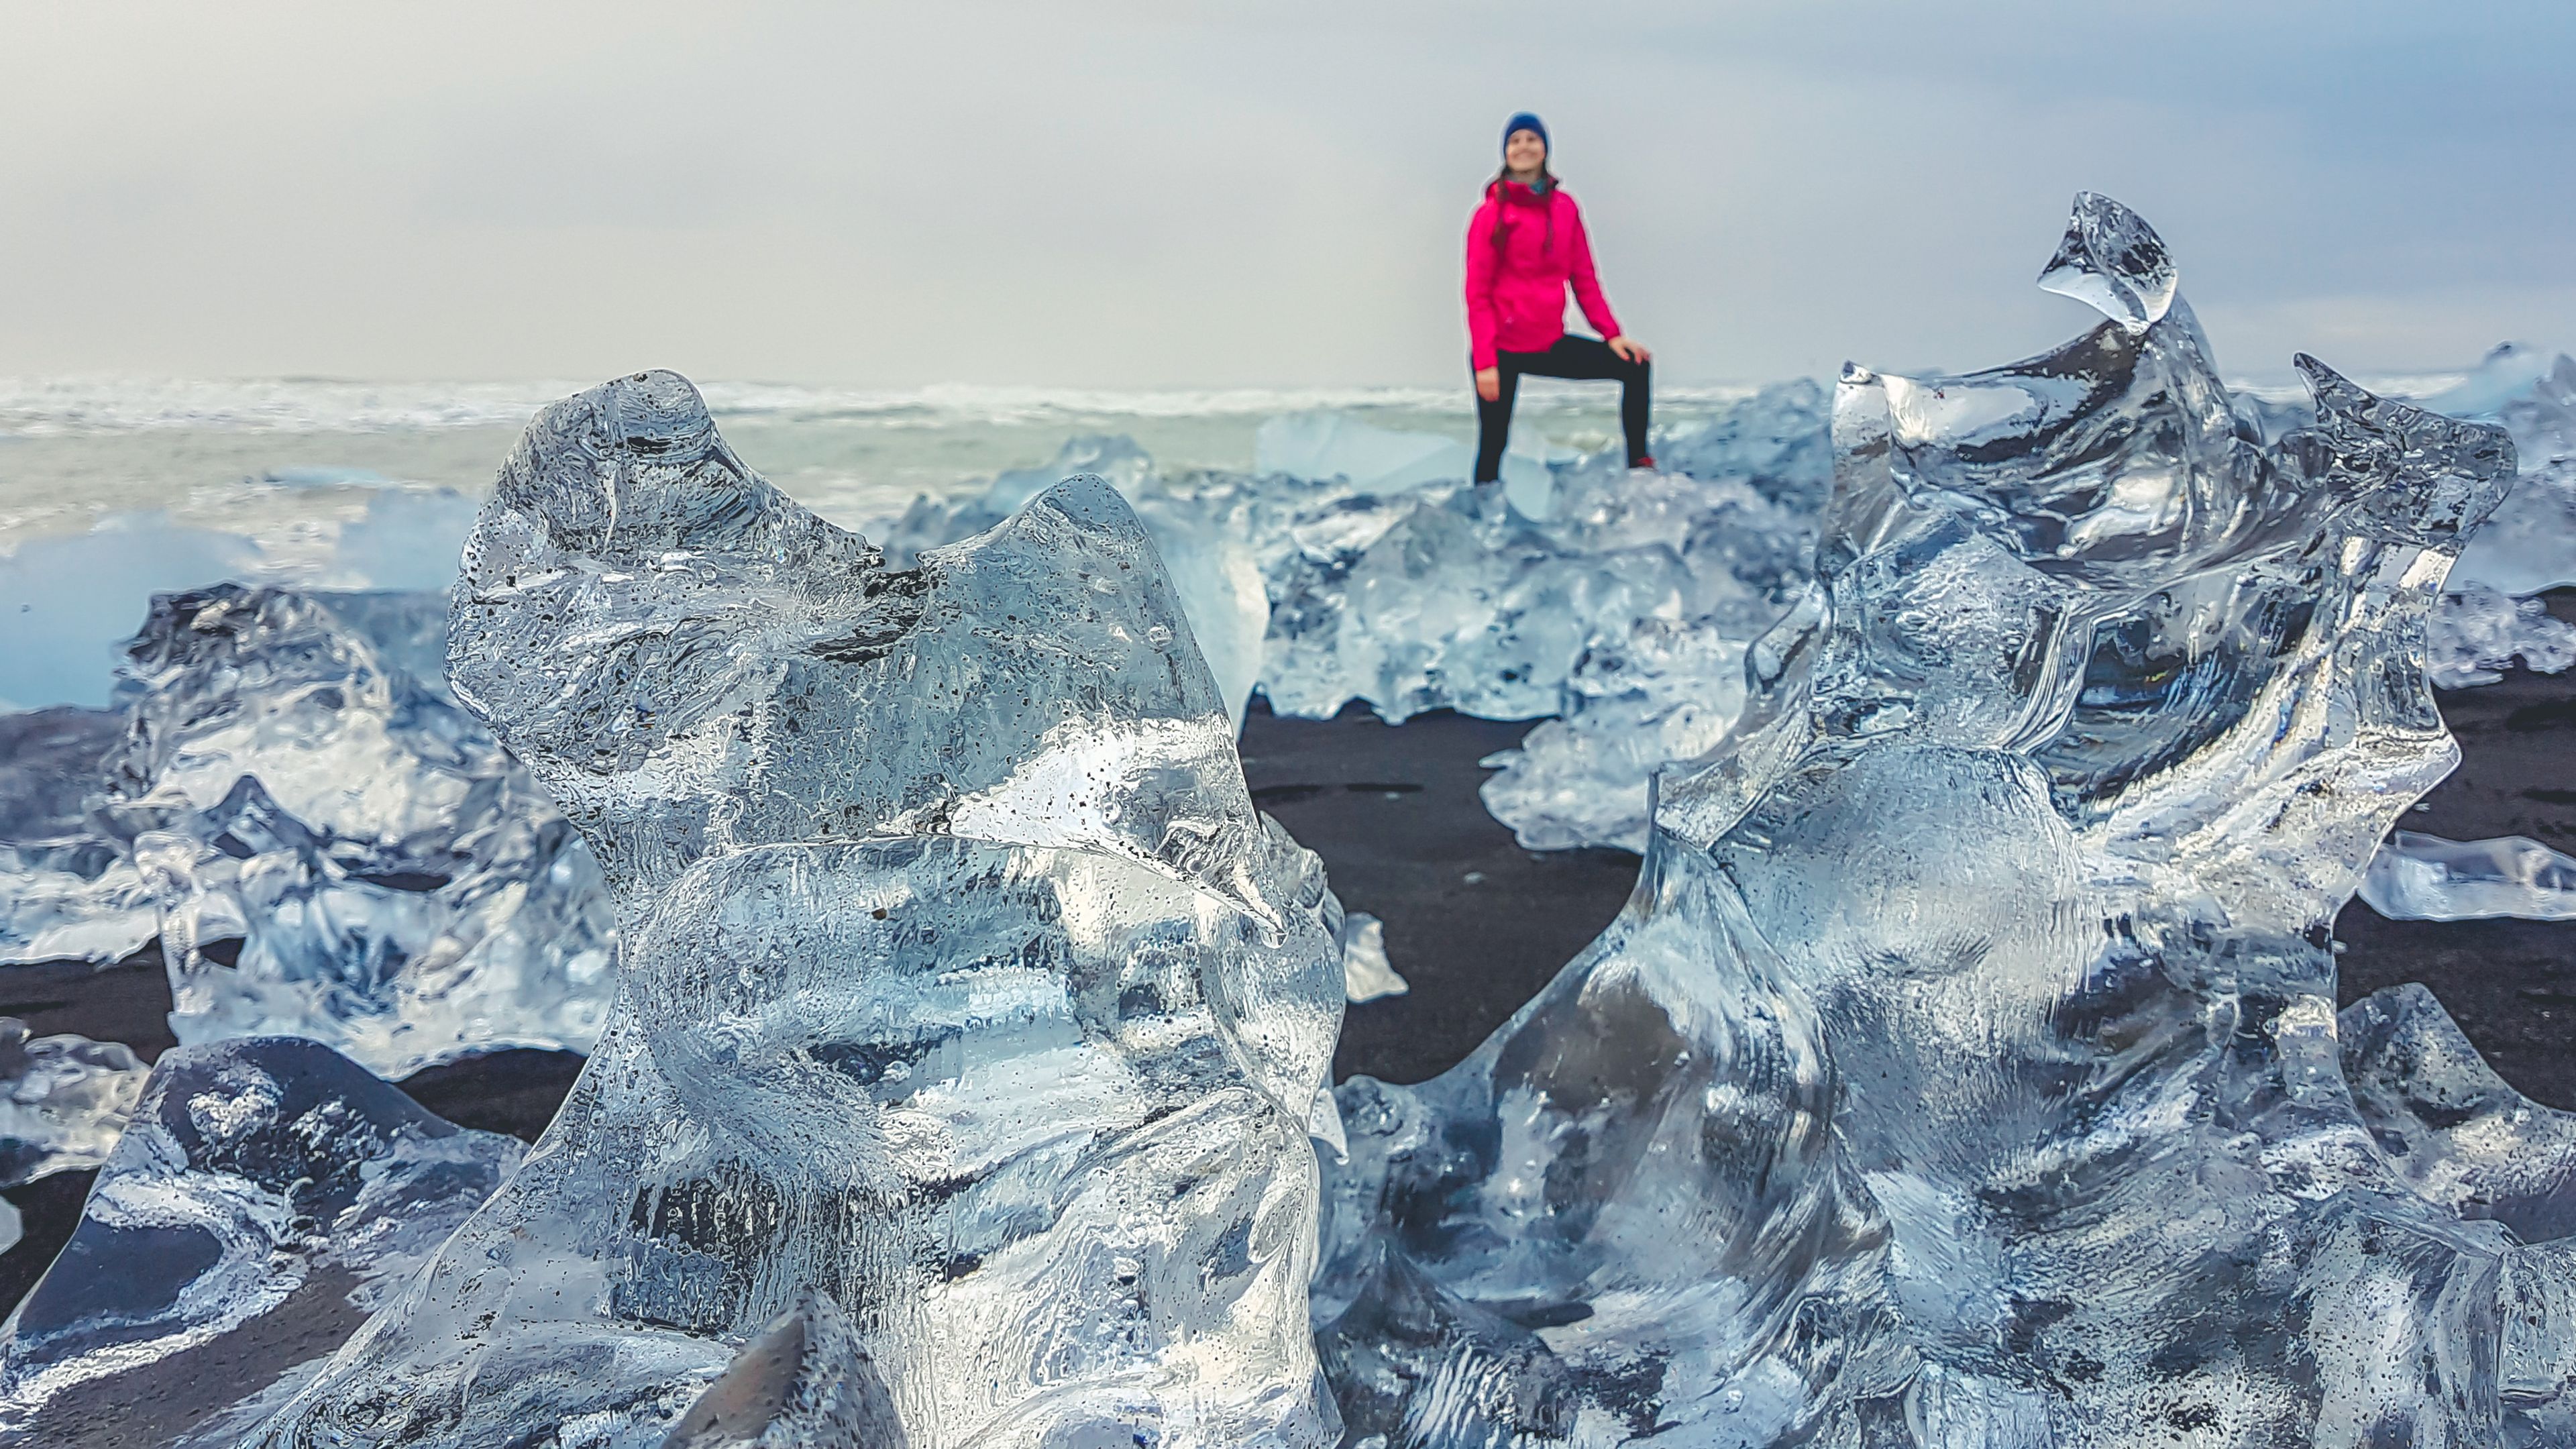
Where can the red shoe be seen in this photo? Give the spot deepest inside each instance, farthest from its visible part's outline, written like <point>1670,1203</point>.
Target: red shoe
<point>1648,462</point>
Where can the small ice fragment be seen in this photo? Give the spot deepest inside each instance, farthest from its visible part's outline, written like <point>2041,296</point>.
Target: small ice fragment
<point>2477,632</point>
<point>2113,261</point>
<point>1366,973</point>
<point>64,1101</point>
<point>2419,877</point>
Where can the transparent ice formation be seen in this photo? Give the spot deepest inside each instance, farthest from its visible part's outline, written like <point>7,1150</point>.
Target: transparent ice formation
<point>1366,973</point>
<point>1360,564</point>
<point>2457,1131</point>
<point>2478,632</point>
<point>268,1194</point>
<point>66,892</point>
<point>63,1101</point>
<point>1966,1070</point>
<point>1214,568</point>
<point>2418,877</point>
<point>961,982</point>
<point>2530,543</point>
<point>337,851</point>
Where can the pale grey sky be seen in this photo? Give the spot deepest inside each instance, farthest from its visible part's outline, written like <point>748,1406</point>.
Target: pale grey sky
<point>1142,193</point>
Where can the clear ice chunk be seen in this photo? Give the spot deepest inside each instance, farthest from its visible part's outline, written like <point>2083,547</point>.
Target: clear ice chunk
<point>961,981</point>
<point>1965,1069</point>
<point>2418,877</point>
<point>2478,632</point>
<point>339,852</point>
<point>64,1101</point>
<point>2113,262</point>
<point>2530,543</point>
<point>1364,567</point>
<point>1212,566</point>
<point>2459,1133</point>
<point>67,893</point>
<point>268,1194</point>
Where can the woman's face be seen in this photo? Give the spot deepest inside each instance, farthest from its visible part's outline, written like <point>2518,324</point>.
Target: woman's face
<point>1523,151</point>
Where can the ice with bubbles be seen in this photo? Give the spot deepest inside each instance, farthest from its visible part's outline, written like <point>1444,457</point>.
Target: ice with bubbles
<point>336,850</point>
<point>961,984</point>
<point>268,1194</point>
<point>1966,1068</point>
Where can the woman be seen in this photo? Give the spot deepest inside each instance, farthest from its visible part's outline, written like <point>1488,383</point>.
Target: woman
<point>1524,246</point>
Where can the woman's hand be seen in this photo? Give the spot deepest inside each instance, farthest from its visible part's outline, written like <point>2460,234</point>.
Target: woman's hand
<point>1489,383</point>
<point>1628,348</point>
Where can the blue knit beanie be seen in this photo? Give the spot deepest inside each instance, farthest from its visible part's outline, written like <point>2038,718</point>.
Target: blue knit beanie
<point>1527,122</point>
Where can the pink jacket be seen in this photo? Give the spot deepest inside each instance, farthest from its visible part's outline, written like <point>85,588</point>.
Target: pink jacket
<point>1522,250</point>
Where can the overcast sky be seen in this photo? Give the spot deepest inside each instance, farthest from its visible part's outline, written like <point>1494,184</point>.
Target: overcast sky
<point>1145,194</point>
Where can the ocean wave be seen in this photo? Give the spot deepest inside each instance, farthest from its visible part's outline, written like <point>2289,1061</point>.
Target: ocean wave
<point>38,407</point>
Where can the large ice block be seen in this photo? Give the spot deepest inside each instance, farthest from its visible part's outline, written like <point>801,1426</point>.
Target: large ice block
<point>268,1194</point>
<point>961,981</point>
<point>1965,1070</point>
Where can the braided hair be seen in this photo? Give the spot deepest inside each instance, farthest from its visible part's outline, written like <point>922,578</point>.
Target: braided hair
<point>1546,184</point>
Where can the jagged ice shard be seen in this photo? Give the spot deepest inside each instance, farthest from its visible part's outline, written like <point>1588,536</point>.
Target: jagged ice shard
<point>960,981</point>
<point>1965,1070</point>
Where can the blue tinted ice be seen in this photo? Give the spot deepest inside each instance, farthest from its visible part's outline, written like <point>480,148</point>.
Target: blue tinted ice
<point>66,891</point>
<point>1966,1069</point>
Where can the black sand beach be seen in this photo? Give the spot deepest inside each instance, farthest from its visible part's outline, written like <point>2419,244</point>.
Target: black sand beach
<point>1476,924</point>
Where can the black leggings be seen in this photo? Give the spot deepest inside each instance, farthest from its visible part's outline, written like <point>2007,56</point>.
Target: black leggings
<point>1587,358</point>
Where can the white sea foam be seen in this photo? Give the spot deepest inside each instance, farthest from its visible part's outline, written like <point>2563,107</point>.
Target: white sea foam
<point>90,406</point>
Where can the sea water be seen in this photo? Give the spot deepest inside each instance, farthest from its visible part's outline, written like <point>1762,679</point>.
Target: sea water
<point>116,488</point>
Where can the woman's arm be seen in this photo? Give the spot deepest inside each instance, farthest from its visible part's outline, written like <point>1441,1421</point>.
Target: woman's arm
<point>1587,287</point>
<point>1481,264</point>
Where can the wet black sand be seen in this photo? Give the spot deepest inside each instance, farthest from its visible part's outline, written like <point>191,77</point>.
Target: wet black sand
<point>1478,924</point>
